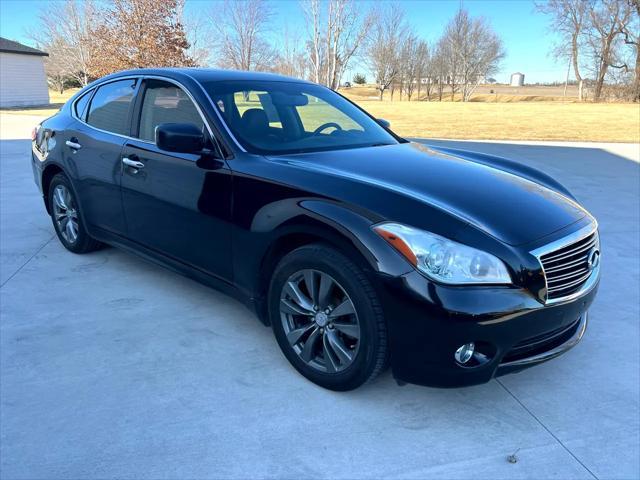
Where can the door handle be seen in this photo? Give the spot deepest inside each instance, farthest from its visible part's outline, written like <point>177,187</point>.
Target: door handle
<point>132,163</point>
<point>73,145</point>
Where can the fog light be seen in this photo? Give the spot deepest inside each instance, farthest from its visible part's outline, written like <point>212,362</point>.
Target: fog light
<point>465,352</point>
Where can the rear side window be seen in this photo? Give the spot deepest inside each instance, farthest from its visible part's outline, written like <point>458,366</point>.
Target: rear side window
<point>164,102</point>
<point>81,104</point>
<point>109,108</point>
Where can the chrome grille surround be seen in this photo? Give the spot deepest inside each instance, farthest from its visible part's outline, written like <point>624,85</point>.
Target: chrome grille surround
<point>566,267</point>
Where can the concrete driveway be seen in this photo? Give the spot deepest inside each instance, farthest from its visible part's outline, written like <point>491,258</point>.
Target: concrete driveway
<point>114,367</point>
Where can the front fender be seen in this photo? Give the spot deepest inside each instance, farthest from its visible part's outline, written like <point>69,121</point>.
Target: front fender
<point>314,216</point>
<point>357,228</point>
<point>279,227</point>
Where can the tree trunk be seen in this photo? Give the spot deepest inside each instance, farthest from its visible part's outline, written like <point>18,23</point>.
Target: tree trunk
<point>566,81</point>
<point>576,68</point>
<point>602,72</point>
<point>636,80</point>
<point>597,91</point>
<point>580,90</point>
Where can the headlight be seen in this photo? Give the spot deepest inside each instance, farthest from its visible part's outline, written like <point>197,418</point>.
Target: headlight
<point>442,259</point>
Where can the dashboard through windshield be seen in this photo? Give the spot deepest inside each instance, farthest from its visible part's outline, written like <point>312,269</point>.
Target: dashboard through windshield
<point>273,117</point>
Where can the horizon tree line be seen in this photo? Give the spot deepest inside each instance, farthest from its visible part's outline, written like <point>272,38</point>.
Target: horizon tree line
<point>88,39</point>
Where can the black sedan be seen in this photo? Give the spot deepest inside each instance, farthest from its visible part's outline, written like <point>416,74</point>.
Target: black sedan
<point>359,248</point>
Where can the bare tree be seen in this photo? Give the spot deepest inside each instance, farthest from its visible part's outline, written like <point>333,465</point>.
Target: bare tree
<point>138,34</point>
<point>474,51</point>
<point>415,57</point>
<point>423,65</point>
<point>311,11</point>
<point>196,27</point>
<point>240,28</point>
<point>631,33</point>
<point>449,44</point>
<point>336,31</point>
<point>65,31</point>
<point>292,59</point>
<point>385,46</point>
<point>438,68</point>
<point>55,65</point>
<point>606,18</point>
<point>568,21</point>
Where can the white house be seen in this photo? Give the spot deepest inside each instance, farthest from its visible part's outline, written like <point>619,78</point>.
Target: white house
<point>22,78</point>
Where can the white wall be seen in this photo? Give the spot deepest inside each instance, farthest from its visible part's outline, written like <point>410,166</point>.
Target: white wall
<point>22,80</point>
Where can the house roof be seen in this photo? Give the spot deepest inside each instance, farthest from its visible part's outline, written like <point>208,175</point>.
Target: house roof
<point>9,46</point>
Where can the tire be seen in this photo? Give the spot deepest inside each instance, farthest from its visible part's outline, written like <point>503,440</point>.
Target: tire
<point>66,217</point>
<point>339,350</point>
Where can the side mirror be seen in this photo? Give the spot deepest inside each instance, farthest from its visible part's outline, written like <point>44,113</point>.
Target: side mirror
<point>179,137</point>
<point>383,122</point>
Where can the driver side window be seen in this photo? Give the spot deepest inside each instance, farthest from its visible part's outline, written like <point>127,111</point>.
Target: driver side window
<point>316,112</point>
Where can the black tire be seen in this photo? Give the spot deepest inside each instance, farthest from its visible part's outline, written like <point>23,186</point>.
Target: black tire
<point>82,243</point>
<point>371,354</point>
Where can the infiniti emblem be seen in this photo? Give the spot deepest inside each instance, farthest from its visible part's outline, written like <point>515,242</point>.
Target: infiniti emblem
<point>593,259</point>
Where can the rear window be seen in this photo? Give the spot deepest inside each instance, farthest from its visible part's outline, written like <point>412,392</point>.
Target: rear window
<point>110,105</point>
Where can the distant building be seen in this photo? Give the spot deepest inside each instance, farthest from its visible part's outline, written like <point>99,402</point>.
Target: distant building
<point>517,79</point>
<point>22,78</point>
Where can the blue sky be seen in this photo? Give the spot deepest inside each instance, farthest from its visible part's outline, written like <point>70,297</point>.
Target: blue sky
<point>523,30</point>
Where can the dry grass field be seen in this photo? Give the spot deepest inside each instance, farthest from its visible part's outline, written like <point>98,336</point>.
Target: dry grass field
<point>526,113</point>
<point>509,113</point>
<point>512,121</point>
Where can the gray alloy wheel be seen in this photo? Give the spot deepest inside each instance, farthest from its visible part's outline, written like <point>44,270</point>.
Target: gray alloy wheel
<point>320,321</point>
<point>65,213</point>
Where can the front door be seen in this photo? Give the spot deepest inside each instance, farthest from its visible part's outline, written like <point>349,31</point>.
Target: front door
<point>175,203</point>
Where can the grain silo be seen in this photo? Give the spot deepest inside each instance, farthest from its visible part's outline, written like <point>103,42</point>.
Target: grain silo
<point>517,79</point>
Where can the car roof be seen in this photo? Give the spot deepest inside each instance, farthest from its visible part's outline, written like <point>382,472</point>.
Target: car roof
<point>207,74</point>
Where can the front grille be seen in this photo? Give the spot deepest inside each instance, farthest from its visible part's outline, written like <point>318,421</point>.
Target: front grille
<point>567,268</point>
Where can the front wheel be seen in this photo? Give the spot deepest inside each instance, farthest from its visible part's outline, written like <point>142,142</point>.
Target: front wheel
<point>327,318</point>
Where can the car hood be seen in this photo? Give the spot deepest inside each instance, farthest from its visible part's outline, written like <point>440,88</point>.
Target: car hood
<point>508,206</point>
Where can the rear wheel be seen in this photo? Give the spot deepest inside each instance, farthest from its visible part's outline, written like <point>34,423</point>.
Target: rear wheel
<point>327,318</point>
<point>67,221</point>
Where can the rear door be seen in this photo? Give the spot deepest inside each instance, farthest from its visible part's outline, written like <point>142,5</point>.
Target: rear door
<point>94,143</point>
<point>177,204</point>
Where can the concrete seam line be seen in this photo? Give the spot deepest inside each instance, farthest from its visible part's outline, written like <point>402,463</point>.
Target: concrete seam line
<point>25,263</point>
<point>545,427</point>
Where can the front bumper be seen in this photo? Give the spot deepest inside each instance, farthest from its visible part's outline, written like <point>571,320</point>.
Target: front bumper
<point>545,348</point>
<point>511,329</point>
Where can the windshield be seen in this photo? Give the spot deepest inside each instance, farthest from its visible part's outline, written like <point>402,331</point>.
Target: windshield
<point>289,117</point>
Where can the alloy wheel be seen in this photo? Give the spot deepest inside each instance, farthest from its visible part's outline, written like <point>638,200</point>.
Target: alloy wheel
<point>320,321</point>
<point>65,213</point>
